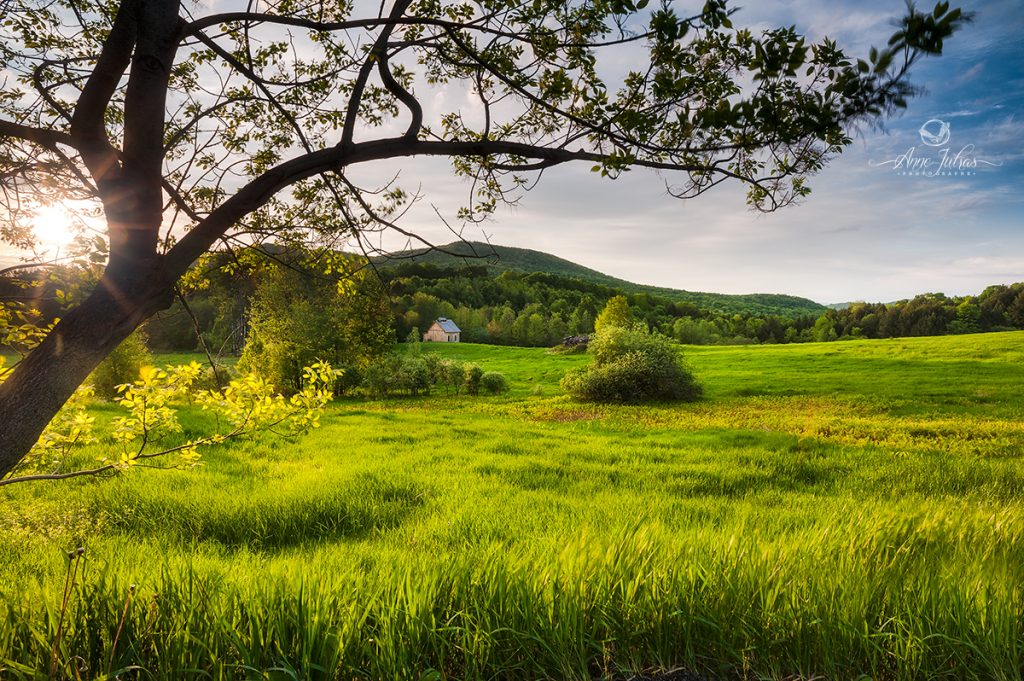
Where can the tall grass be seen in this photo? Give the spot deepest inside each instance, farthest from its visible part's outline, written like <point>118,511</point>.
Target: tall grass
<point>896,599</point>
<point>775,530</point>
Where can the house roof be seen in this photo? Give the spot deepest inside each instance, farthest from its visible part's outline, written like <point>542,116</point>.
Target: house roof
<point>447,325</point>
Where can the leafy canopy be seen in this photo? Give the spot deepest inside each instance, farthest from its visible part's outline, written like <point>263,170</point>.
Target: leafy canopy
<point>615,314</point>
<point>284,93</point>
<point>247,406</point>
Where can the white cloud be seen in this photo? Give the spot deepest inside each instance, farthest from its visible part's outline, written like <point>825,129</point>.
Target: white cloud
<point>969,75</point>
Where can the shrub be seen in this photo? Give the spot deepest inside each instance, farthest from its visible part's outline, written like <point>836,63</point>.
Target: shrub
<point>298,319</point>
<point>493,383</point>
<point>412,376</point>
<point>632,365</point>
<point>433,363</point>
<point>571,345</point>
<point>349,378</point>
<point>472,374</point>
<point>214,380</point>
<point>451,374</point>
<point>121,366</point>
<point>377,377</point>
<point>396,373</point>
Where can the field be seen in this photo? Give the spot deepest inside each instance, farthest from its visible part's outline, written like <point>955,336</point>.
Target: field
<point>843,510</point>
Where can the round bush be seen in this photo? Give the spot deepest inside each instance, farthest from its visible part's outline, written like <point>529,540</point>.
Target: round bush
<point>214,380</point>
<point>632,365</point>
<point>451,373</point>
<point>378,377</point>
<point>493,383</point>
<point>412,376</point>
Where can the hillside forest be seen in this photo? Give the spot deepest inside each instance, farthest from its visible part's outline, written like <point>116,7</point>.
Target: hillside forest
<point>529,309</point>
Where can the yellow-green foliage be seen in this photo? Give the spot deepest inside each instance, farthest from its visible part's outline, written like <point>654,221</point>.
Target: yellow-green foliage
<point>247,405</point>
<point>20,329</point>
<point>843,510</point>
<point>615,314</point>
<point>299,318</point>
<point>121,366</point>
<point>71,427</point>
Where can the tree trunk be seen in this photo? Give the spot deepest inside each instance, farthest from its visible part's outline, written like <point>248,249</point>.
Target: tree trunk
<point>41,384</point>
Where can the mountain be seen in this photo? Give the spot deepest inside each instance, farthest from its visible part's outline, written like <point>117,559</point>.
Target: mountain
<point>499,259</point>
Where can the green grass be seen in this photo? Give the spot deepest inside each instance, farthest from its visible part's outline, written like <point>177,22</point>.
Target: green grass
<point>837,510</point>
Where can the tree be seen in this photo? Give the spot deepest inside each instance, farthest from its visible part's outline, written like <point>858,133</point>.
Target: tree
<point>581,321</point>
<point>298,318</point>
<point>968,317</point>
<point>824,329</point>
<point>616,313</point>
<point>183,129</point>
<point>121,366</point>
<point>694,331</point>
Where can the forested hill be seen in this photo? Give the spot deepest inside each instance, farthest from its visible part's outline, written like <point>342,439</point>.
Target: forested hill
<point>506,258</point>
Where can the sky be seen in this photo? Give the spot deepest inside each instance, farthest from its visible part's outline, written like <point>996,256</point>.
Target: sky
<point>867,232</point>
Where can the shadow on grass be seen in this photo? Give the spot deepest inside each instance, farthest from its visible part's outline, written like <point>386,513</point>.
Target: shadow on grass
<point>270,519</point>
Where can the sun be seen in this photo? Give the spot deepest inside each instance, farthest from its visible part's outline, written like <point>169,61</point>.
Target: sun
<point>54,228</point>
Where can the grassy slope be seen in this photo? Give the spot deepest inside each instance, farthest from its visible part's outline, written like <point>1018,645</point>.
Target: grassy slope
<point>831,509</point>
<point>526,260</point>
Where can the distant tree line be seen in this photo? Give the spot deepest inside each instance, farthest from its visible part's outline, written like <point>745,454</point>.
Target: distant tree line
<point>537,309</point>
<point>997,308</point>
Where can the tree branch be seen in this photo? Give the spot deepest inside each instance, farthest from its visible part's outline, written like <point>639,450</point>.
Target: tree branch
<point>331,26</point>
<point>199,334</point>
<point>42,136</point>
<point>87,120</point>
<point>376,53</point>
<point>406,97</point>
<point>260,190</point>
<point>111,466</point>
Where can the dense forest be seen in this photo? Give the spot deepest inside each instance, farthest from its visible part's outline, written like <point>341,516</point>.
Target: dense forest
<point>497,259</point>
<point>539,309</point>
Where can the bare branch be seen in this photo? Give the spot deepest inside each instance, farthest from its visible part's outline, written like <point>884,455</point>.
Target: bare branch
<point>477,25</point>
<point>260,190</point>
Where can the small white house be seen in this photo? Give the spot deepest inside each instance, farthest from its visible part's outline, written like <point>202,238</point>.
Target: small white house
<point>443,330</point>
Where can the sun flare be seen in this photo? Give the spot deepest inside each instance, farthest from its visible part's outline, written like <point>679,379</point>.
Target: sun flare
<point>54,228</point>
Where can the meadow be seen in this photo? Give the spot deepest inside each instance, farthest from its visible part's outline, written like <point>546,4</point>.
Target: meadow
<point>840,510</point>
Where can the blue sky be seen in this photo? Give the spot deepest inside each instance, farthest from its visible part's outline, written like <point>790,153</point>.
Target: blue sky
<point>866,233</point>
